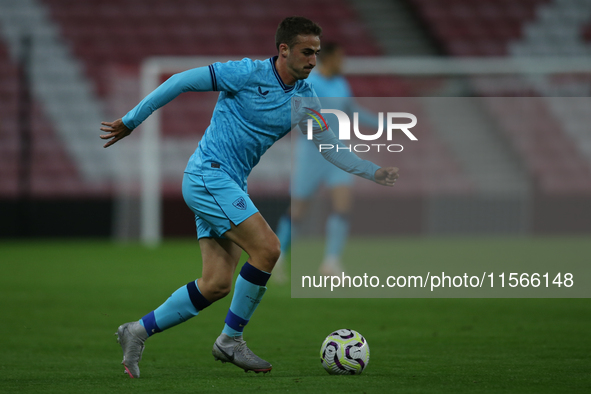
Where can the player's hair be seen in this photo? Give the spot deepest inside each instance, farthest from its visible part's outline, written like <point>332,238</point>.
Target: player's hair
<point>289,29</point>
<point>328,49</point>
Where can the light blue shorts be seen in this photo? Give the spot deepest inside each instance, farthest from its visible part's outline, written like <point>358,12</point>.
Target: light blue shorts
<point>310,170</point>
<point>216,200</point>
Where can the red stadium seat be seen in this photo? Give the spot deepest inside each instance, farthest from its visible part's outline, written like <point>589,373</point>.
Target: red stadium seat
<point>131,30</point>
<point>124,32</point>
<point>47,150</point>
<point>477,28</point>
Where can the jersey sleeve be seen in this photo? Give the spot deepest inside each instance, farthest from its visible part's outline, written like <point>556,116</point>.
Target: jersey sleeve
<point>341,156</point>
<point>195,80</point>
<point>309,112</point>
<point>231,76</point>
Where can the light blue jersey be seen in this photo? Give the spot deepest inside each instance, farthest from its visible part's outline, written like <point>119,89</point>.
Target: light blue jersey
<point>252,112</point>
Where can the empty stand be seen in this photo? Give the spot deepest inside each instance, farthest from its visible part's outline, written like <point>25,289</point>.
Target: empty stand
<point>536,128</point>
<point>53,172</point>
<point>108,33</point>
<point>9,143</point>
<point>554,162</point>
<point>127,31</point>
<point>477,28</point>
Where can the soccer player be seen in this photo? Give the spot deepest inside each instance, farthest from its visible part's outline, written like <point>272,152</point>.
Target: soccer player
<point>310,170</point>
<point>252,112</point>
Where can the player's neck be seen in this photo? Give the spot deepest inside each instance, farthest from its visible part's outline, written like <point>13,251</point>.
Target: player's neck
<point>284,74</point>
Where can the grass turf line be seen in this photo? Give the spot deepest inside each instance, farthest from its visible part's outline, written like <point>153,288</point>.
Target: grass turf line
<point>62,302</point>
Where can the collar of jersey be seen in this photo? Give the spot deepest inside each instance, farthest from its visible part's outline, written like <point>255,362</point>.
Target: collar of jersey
<point>285,87</point>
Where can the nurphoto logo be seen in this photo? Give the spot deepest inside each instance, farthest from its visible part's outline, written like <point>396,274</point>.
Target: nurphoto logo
<point>344,132</point>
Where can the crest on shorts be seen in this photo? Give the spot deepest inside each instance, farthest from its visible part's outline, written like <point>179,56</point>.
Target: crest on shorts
<point>240,203</point>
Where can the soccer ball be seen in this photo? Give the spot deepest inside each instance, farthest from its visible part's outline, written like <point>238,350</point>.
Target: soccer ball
<point>344,352</point>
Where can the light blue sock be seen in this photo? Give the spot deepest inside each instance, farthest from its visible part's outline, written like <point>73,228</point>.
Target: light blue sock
<point>182,305</point>
<point>337,231</point>
<point>248,292</point>
<point>284,233</point>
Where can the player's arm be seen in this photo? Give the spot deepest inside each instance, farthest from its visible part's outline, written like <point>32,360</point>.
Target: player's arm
<point>327,144</point>
<point>386,175</point>
<point>195,80</point>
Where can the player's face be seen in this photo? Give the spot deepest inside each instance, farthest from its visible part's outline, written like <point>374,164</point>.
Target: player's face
<point>301,57</point>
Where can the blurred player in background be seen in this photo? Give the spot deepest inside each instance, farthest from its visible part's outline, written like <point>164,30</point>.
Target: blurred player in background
<point>310,170</point>
<point>252,112</point>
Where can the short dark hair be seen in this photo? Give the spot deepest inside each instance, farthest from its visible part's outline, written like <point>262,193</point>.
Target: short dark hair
<point>290,28</point>
<point>328,49</point>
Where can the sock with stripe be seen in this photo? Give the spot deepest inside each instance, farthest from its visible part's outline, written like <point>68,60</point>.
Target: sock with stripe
<point>182,305</point>
<point>248,292</point>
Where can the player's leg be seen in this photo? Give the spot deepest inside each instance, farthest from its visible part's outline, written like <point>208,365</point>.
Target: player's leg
<point>231,214</point>
<point>284,235</point>
<point>286,231</point>
<point>309,171</point>
<point>307,176</point>
<point>220,257</point>
<point>258,240</point>
<point>300,203</point>
<point>337,230</point>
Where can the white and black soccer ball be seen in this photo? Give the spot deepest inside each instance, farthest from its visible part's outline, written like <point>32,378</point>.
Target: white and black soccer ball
<point>344,352</point>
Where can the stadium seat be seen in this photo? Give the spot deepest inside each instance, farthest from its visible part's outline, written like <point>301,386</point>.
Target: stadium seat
<point>106,34</point>
<point>50,165</point>
<point>477,28</point>
<point>550,156</point>
<point>127,31</point>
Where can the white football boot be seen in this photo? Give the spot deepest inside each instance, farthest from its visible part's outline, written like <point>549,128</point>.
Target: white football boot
<point>131,337</point>
<point>234,350</point>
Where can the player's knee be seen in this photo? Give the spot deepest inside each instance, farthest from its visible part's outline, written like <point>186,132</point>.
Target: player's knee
<point>276,252</point>
<point>268,255</point>
<point>219,292</point>
<point>216,290</point>
<point>273,251</point>
<point>223,290</point>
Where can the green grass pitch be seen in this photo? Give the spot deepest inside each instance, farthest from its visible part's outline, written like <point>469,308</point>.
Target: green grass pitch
<point>61,302</point>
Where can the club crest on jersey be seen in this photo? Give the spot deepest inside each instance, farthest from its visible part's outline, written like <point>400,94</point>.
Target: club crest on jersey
<point>297,103</point>
<point>240,203</point>
<point>266,92</point>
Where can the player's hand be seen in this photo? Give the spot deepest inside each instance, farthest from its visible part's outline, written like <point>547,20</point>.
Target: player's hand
<point>116,129</point>
<point>386,176</point>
